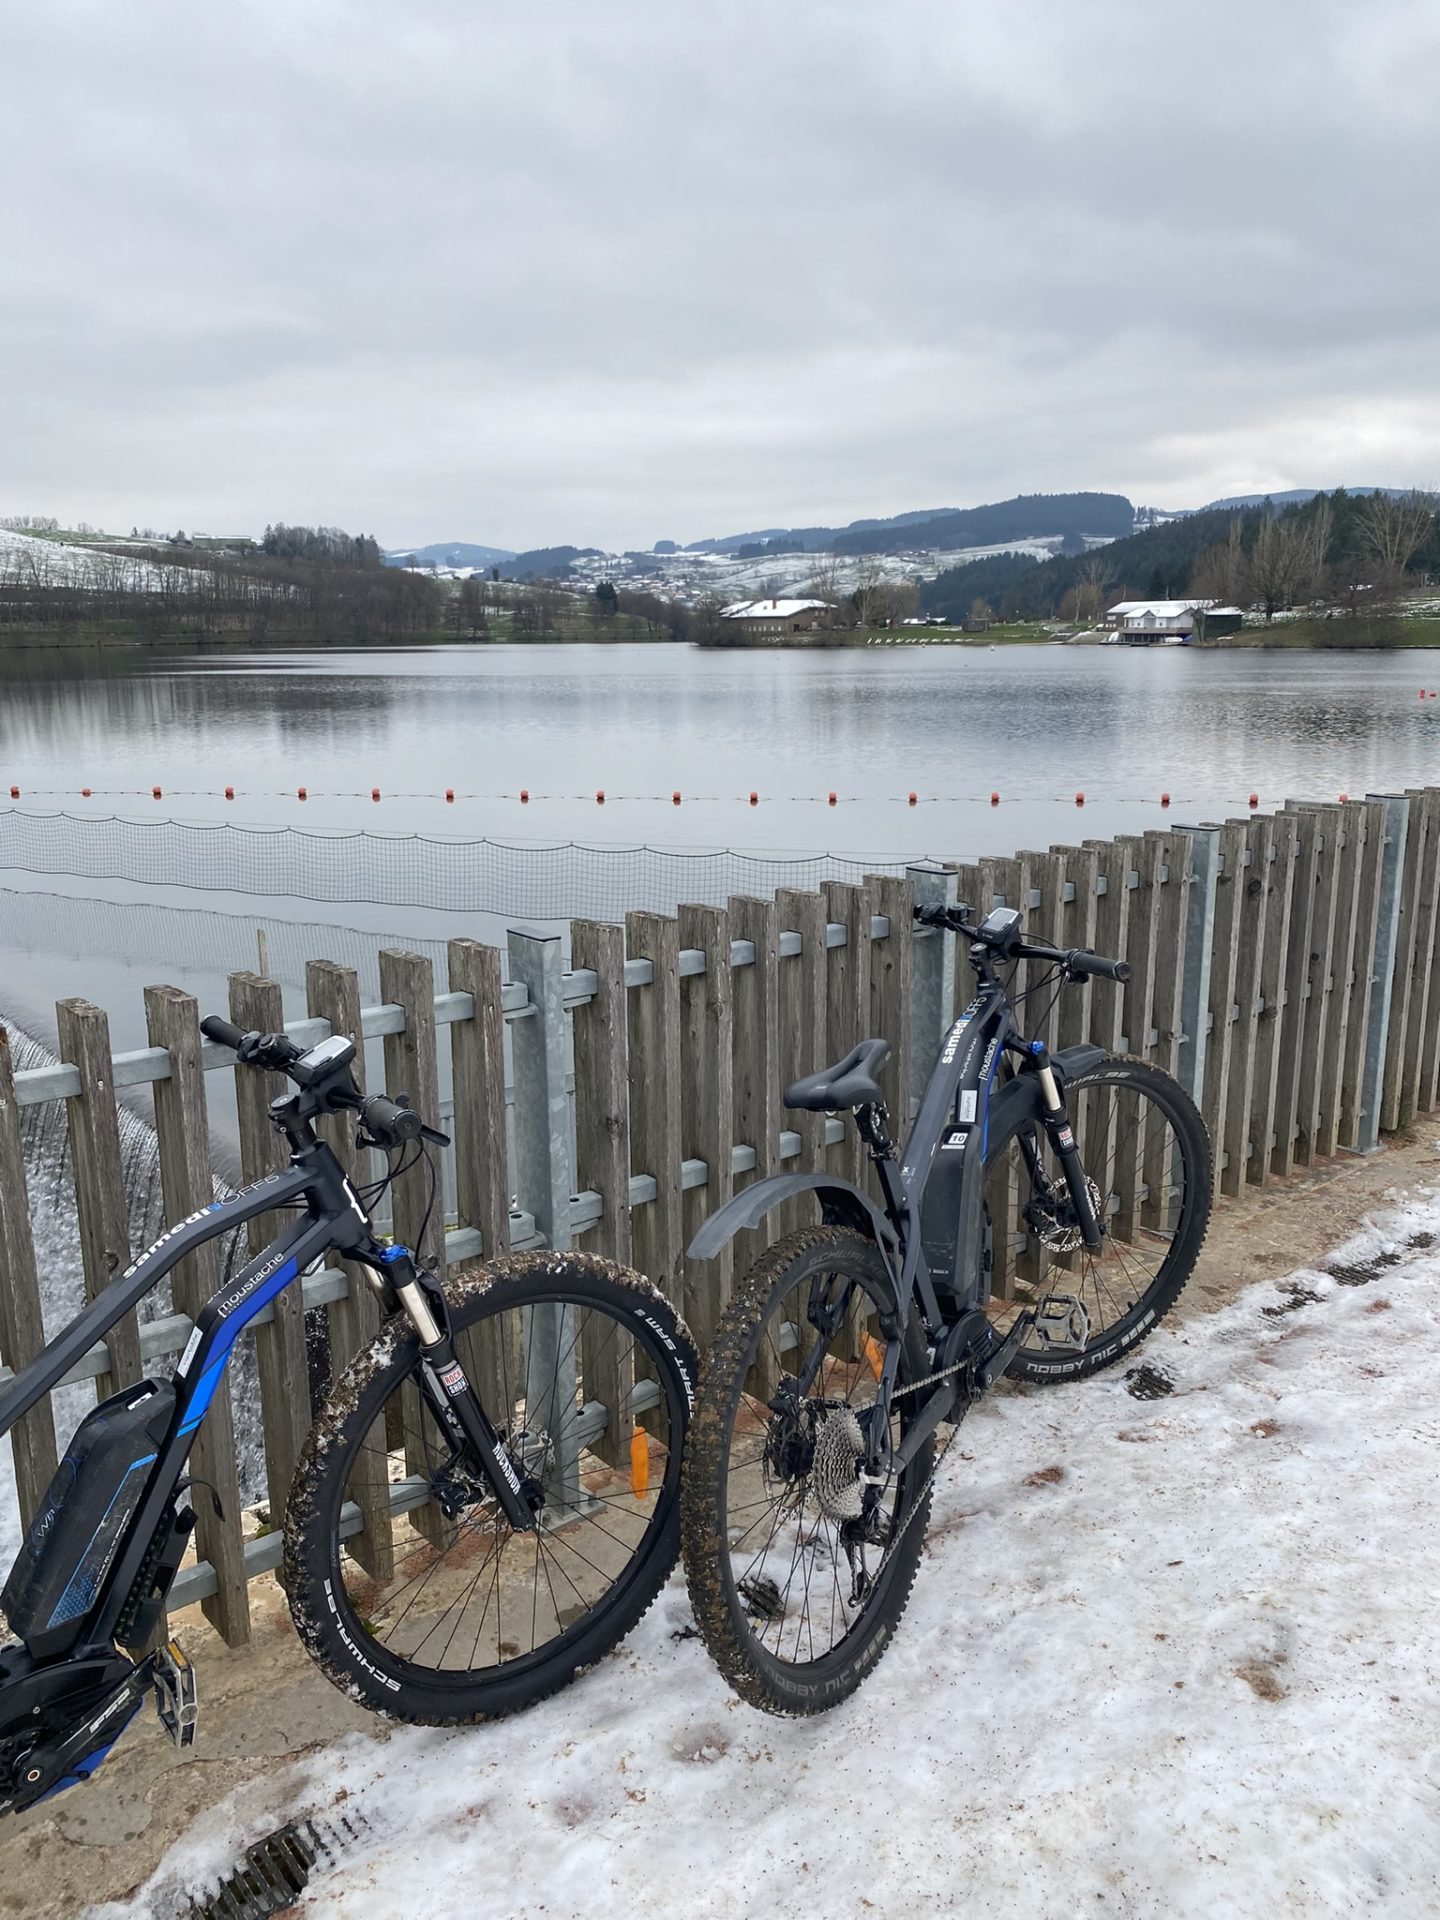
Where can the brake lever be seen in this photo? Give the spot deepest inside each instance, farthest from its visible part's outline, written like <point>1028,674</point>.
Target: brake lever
<point>435,1137</point>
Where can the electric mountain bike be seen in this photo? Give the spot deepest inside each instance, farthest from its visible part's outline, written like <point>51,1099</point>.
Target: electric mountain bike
<point>1042,1217</point>
<point>486,1503</point>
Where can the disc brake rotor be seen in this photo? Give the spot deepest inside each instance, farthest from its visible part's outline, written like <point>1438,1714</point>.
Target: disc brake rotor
<point>1051,1218</point>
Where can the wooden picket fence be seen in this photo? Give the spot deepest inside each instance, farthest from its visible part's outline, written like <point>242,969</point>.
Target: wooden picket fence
<point>1283,967</point>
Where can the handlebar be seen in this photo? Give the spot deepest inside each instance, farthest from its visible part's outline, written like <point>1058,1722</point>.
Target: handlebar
<point>388,1123</point>
<point>1078,963</point>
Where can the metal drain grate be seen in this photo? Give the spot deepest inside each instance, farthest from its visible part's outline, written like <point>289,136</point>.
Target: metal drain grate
<point>276,1870</point>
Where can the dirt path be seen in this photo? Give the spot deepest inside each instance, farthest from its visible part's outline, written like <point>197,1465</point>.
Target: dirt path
<point>266,1703</point>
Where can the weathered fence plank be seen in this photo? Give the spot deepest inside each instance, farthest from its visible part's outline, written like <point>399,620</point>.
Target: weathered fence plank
<point>1294,1004</point>
<point>756,1029</point>
<point>22,1325</point>
<point>602,1155</point>
<point>172,1020</point>
<point>256,1007</point>
<point>847,1005</point>
<point>332,994</point>
<point>892,986</point>
<point>803,1036</point>
<point>1414,941</point>
<point>1371,815</point>
<point>1252,898</point>
<point>656,1230</point>
<point>1229,896</point>
<point>1342,1012</point>
<point>83,1034</point>
<point>1274,965</point>
<point>707,1105</point>
<point>1423,1001</point>
<point>412,1067</point>
<point>1172,881</point>
<point>477,1056</point>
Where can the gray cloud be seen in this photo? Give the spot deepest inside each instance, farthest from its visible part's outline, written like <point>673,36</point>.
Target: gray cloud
<point>623,272</point>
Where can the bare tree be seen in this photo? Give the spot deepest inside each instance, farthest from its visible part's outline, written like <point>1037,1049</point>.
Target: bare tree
<point>1394,527</point>
<point>1282,567</point>
<point>824,581</point>
<point>1220,572</point>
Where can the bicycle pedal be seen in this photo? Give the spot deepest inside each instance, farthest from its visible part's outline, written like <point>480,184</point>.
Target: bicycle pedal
<point>175,1694</point>
<point>1062,1324</point>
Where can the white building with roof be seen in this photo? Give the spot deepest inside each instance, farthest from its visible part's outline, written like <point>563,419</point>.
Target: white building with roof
<point>1168,623</point>
<point>774,619</point>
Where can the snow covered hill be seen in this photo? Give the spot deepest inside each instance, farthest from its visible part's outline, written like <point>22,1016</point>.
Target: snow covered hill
<point>26,561</point>
<point>1167,1659</point>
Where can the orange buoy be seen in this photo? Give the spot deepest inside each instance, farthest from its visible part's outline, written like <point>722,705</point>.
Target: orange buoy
<point>14,793</point>
<point>229,793</point>
<point>155,793</point>
<point>754,798</point>
<point>1343,798</point>
<point>450,795</point>
<point>913,797</point>
<point>675,797</point>
<point>832,799</point>
<point>600,796</point>
<point>1164,799</point>
<point>374,793</point>
<point>84,793</point>
<point>301,794</point>
<point>1254,799</point>
<point>524,796</point>
<point>639,1463</point>
<point>1079,799</point>
<point>994,799</point>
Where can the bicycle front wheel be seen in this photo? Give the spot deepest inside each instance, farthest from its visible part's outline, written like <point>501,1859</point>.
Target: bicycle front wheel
<point>1145,1152</point>
<point>407,1584</point>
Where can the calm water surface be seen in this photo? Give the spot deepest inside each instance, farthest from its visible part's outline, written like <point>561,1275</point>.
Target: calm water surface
<point>1035,723</point>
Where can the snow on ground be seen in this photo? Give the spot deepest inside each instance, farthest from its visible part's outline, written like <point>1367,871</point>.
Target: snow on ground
<point>1173,1657</point>
<point>28,561</point>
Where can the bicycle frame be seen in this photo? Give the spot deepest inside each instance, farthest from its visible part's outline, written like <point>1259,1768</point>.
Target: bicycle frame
<point>335,1221</point>
<point>964,1097</point>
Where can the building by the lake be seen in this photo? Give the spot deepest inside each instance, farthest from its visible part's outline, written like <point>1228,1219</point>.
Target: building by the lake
<point>1168,623</point>
<point>773,619</point>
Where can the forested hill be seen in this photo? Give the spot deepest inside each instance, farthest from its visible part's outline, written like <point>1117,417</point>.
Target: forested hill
<point>1342,545</point>
<point>1066,516</point>
<point>1156,562</point>
<point>1071,516</point>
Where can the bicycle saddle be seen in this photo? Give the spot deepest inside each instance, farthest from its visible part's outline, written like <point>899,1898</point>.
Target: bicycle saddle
<point>850,1082</point>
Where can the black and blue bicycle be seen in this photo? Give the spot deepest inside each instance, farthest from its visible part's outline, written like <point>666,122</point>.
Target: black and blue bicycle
<point>487,1500</point>
<point>1042,1217</point>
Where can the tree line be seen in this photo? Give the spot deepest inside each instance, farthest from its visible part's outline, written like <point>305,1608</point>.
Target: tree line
<point>1360,552</point>
<point>164,592</point>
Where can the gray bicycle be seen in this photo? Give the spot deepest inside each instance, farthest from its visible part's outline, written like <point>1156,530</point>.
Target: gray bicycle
<point>1043,1216</point>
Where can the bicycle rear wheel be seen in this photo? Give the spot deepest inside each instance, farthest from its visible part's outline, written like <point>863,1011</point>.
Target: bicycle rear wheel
<point>795,1594</point>
<point>407,1584</point>
<point>1145,1152</point>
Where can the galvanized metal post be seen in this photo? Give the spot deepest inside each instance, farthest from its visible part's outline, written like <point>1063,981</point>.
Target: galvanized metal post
<point>543,1172</point>
<point>1382,979</point>
<point>932,980</point>
<point>1199,945</point>
<point>544,1177</point>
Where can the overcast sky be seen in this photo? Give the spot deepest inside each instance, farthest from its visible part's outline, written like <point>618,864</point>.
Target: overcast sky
<point>615,272</point>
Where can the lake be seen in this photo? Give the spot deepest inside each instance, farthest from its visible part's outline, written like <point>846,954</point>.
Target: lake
<point>1034,723</point>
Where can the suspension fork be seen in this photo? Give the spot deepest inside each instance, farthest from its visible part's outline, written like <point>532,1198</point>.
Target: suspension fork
<point>447,1388</point>
<point>1056,1122</point>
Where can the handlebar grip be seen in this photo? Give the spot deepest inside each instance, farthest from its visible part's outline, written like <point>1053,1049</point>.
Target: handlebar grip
<point>1098,966</point>
<point>223,1032</point>
<point>388,1123</point>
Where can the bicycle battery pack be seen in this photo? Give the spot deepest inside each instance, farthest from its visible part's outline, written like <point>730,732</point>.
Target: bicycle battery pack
<point>79,1525</point>
<point>940,1208</point>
